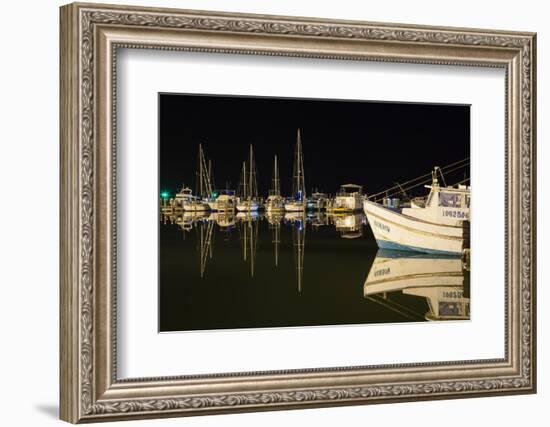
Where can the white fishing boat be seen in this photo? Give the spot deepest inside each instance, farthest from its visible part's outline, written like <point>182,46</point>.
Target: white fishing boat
<point>438,225</point>
<point>439,279</point>
<point>348,199</point>
<point>275,202</point>
<point>248,200</point>
<point>297,203</point>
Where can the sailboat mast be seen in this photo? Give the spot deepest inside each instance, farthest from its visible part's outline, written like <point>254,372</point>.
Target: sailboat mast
<point>299,180</point>
<point>205,186</point>
<point>200,177</point>
<point>244,193</point>
<point>210,176</point>
<point>276,183</point>
<point>250,165</point>
<point>302,176</point>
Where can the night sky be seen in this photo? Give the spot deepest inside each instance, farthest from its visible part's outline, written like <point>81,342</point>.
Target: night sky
<point>374,144</point>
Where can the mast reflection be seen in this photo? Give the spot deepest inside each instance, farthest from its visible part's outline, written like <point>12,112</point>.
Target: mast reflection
<point>416,286</point>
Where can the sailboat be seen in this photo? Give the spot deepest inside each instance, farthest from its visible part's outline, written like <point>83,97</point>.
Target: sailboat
<point>249,197</point>
<point>298,201</point>
<point>275,202</point>
<point>203,187</point>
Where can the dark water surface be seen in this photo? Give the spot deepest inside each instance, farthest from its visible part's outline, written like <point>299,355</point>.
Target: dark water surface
<point>238,271</point>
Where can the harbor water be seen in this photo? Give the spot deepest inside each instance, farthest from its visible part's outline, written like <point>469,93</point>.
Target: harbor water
<point>233,271</point>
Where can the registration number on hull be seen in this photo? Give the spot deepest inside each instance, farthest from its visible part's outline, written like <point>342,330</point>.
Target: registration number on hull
<point>455,214</point>
<point>382,227</point>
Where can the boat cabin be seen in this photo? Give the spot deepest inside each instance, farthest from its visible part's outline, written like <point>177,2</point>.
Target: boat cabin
<point>350,190</point>
<point>444,205</point>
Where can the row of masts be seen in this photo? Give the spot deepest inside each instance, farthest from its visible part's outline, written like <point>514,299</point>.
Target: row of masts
<point>247,199</point>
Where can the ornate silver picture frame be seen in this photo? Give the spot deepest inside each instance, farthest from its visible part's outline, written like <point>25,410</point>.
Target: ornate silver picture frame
<point>90,36</point>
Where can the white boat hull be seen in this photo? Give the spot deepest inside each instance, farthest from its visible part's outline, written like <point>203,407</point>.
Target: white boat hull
<point>247,206</point>
<point>222,204</point>
<point>394,230</point>
<point>295,207</point>
<point>196,207</point>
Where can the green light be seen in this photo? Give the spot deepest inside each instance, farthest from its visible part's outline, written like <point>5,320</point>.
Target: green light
<point>165,194</point>
<point>214,194</point>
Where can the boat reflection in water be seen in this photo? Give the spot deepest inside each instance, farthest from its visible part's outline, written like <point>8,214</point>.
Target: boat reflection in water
<point>350,226</point>
<point>442,280</point>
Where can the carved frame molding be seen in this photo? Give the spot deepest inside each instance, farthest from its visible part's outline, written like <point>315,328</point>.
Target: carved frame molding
<point>90,36</point>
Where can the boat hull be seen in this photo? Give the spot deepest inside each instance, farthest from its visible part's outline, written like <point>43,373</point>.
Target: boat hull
<point>396,231</point>
<point>222,204</point>
<point>295,207</point>
<point>248,207</point>
<point>196,207</point>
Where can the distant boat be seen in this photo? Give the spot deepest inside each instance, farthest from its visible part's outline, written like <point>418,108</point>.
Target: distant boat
<point>318,201</point>
<point>275,202</point>
<point>183,197</point>
<point>348,199</point>
<point>249,194</point>
<point>223,201</point>
<point>439,279</point>
<point>437,225</point>
<point>298,199</point>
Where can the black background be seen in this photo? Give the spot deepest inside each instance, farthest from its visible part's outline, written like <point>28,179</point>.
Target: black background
<point>373,144</point>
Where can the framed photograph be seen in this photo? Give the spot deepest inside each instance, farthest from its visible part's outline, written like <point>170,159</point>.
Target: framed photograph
<point>266,212</point>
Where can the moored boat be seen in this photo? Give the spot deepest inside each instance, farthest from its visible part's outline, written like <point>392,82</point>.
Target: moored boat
<point>348,199</point>
<point>248,200</point>
<point>275,202</point>
<point>440,225</point>
<point>318,201</point>
<point>223,201</point>
<point>203,187</point>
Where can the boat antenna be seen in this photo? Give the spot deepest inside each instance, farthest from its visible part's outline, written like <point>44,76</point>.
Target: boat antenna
<point>438,169</point>
<point>434,177</point>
